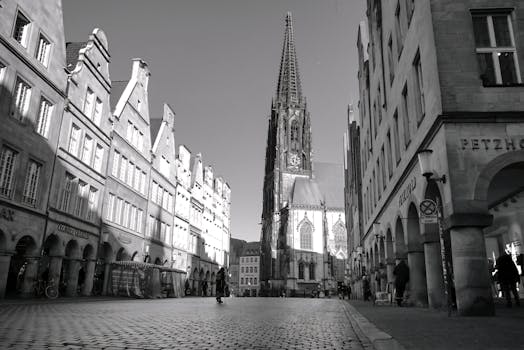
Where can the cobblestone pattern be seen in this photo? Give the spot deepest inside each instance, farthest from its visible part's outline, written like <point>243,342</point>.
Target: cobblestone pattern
<point>190,323</point>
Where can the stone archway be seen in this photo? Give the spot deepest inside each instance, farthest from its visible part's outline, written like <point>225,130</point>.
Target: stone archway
<point>103,266</point>
<point>122,255</point>
<point>23,269</point>
<point>416,260</point>
<point>158,261</point>
<point>51,261</point>
<point>70,269</point>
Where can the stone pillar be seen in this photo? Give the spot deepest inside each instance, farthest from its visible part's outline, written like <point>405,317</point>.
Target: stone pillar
<point>5,261</point>
<point>55,267</point>
<point>390,266</point>
<point>30,276</point>
<point>90,274</point>
<point>434,276</point>
<point>418,293</point>
<point>72,277</point>
<point>105,286</point>
<point>470,264</point>
<point>383,278</point>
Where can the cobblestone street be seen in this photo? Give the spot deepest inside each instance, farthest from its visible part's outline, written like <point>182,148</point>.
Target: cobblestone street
<point>189,323</point>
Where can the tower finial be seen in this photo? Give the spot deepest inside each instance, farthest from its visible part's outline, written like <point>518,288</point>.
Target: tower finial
<point>289,90</point>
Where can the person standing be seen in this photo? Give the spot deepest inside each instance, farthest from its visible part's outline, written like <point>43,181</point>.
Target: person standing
<point>366,288</point>
<point>508,277</point>
<point>401,273</point>
<point>220,284</point>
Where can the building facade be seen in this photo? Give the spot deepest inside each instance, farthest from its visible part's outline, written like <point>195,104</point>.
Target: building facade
<point>236,249</point>
<point>249,270</point>
<point>462,107</point>
<point>33,91</point>
<point>303,223</point>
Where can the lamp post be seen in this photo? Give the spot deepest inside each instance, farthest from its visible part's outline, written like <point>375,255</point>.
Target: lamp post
<point>426,163</point>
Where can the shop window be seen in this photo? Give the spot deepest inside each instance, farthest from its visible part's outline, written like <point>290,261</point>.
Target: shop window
<point>495,48</point>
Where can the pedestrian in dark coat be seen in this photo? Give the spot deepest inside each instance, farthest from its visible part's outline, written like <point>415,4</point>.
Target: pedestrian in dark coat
<point>401,273</point>
<point>508,277</point>
<point>366,288</point>
<point>221,284</point>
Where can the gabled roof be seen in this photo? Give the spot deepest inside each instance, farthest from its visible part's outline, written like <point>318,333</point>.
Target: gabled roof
<point>72,49</point>
<point>306,192</point>
<point>330,180</point>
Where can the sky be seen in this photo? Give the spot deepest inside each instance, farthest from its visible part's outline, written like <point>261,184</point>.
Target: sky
<point>216,63</point>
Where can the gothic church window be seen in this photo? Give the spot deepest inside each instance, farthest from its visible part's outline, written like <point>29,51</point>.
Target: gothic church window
<point>295,143</point>
<point>311,271</point>
<point>301,271</point>
<point>340,236</point>
<point>305,236</point>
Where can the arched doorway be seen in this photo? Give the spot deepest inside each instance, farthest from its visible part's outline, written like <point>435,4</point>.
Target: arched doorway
<point>51,261</point>
<point>416,261</point>
<point>433,254</point>
<point>103,265</point>
<point>122,255</point>
<point>134,257</point>
<point>401,250</point>
<point>158,261</point>
<point>23,268</point>
<point>70,269</point>
<point>390,260</point>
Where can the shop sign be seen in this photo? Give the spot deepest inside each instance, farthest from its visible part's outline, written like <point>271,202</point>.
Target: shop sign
<point>7,214</point>
<point>491,143</point>
<point>428,212</point>
<point>72,231</point>
<point>404,195</point>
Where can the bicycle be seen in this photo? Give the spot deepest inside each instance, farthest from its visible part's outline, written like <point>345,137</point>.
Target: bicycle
<point>48,289</point>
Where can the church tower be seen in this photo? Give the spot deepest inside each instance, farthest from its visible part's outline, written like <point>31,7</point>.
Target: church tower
<point>288,154</point>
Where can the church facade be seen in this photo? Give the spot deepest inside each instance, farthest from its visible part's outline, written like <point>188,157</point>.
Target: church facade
<point>304,239</point>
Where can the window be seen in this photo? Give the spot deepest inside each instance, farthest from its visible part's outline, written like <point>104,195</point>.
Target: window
<point>495,47</point>
<point>143,183</point>
<point>396,136</point>
<point>123,167</point>
<point>250,280</point>
<point>22,98</point>
<point>151,226</point>
<point>391,62</point>
<point>44,117</point>
<point>44,48</point>
<point>98,111</point>
<point>125,215</point>
<point>311,271</point>
<point>398,31</point>
<point>405,115</point>
<point>165,200</point>
<point>99,157</point>
<point>118,210</point>
<point>154,190</point>
<point>305,236</point>
<point>132,218</point>
<point>389,154</point>
<point>294,137</point>
<point>116,163</point>
<point>81,198</point>
<point>74,140</point>
<point>87,150</point>
<point>130,171</point>
<point>170,203</point>
<point>418,88</point>
<point>89,103</point>
<point>92,204</point>
<point>110,207</point>
<point>32,179</point>
<point>251,269</point>
<point>301,271</point>
<point>255,281</point>
<point>66,192</point>
<point>7,166</point>
<point>241,280</point>
<point>21,32</point>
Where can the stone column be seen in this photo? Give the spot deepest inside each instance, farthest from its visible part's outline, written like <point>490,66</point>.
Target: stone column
<point>30,275</point>
<point>72,277</point>
<point>90,274</point>
<point>105,286</point>
<point>390,266</point>
<point>55,267</point>
<point>470,264</point>
<point>434,276</point>
<point>5,261</point>
<point>418,293</point>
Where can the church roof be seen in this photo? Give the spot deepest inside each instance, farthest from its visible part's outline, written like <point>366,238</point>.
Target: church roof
<point>306,192</point>
<point>330,180</point>
<point>289,90</point>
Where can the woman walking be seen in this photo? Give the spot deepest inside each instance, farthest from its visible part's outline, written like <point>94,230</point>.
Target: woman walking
<point>221,284</point>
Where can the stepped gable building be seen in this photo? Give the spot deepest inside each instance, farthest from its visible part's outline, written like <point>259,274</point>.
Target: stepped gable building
<point>303,223</point>
<point>441,120</point>
<point>249,265</point>
<point>32,94</point>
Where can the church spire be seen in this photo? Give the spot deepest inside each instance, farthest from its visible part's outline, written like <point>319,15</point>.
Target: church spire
<point>289,91</point>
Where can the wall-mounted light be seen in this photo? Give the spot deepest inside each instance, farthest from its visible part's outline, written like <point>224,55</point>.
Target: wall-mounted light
<point>425,161</point>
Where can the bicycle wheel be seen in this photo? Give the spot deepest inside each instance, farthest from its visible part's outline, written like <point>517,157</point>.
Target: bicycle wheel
<point>51,292</point>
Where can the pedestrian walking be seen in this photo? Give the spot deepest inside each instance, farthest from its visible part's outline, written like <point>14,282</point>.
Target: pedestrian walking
<point>366,288</point>
<point>204,289</point>
<point>401,273</point>
<point>220,284</point>
<point>508,277</point>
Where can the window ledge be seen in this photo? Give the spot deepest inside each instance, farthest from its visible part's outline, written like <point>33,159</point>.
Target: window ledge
<point>503,85</point>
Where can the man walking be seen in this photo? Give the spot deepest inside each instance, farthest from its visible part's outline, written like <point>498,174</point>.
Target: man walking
<point>508,277</point>
<point>401,273</point>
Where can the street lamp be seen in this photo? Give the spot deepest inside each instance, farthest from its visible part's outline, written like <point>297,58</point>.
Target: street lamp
<point>426,165</point>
